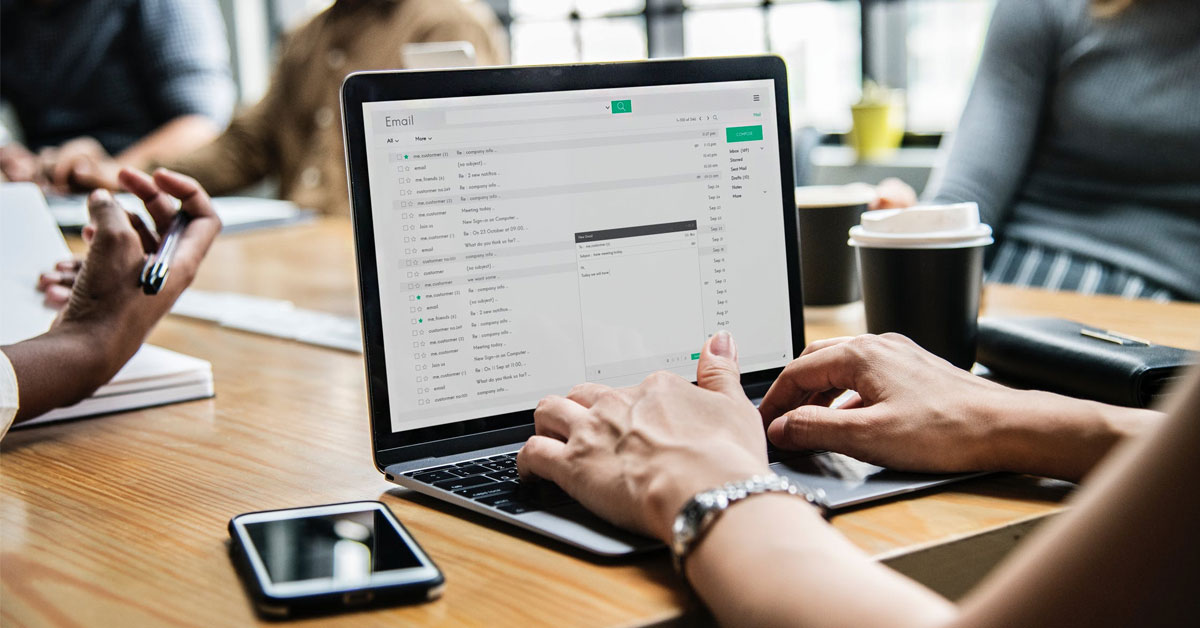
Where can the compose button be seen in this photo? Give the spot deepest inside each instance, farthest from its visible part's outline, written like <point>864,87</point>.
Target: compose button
<point>743,133</point>
<point>622,106</point>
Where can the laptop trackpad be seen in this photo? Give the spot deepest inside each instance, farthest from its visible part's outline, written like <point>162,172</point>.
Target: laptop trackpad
<point>576,525</point>
<point>847,481</point>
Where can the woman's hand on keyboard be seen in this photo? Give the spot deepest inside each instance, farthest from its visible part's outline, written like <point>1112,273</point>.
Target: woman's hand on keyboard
<point>636,455</point>
<point>914,411</point>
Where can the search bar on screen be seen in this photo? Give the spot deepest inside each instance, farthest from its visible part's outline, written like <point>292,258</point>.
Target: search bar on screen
<point>520,113</point>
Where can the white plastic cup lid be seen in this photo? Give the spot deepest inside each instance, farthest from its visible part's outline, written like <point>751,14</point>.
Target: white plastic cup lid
<point>922,227</point>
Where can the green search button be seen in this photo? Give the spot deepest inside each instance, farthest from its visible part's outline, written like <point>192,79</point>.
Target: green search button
<point>743,133</point>
<point>622,106</point>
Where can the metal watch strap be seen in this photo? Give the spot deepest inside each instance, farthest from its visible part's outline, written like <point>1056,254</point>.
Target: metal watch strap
<point>702,510</point>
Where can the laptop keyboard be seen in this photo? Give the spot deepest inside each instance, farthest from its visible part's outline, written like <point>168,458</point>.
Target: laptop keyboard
<point>493,481</point>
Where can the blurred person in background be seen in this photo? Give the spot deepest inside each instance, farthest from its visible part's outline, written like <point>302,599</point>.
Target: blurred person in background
<point>100,84</point>
<point>1080,142</point>
<point>294,133</point>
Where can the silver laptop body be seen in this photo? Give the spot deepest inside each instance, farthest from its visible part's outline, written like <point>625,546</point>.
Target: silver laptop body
<point>519,230</point>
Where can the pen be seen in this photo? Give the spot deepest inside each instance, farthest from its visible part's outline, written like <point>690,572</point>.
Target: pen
<point>154,273</point>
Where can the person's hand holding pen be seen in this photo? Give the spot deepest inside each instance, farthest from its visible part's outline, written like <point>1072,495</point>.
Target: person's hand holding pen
<point>108,315</point>
<point>57,284</point>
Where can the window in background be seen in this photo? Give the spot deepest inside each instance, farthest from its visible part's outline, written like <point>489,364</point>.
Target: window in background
<point>715,32</point>
<point>944,40</point>
<point>535,9</point>
<point>928,47</point>
<point>612,39</point>
<point>821,43</point>
<point>544,41</point>
<point>555,31</point>
<point>719,3</point>
<point>598,8</point>
<point>819,39</point>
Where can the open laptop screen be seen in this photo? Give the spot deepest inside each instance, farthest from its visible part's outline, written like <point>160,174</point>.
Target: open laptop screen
<point>529,242</point>
<point>522,230</point>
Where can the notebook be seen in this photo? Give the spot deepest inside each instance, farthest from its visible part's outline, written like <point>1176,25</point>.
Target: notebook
<point>153,377</point>
<point>30,243</point>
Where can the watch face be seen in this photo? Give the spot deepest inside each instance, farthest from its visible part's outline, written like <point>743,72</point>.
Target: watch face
<point>694,518</point>
<point>687,524</point>
<point>680,528</point>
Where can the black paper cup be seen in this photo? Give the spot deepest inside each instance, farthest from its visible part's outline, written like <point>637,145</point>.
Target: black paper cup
<point>921,271</point>
<point>929,295</point>
<point>828,269</point>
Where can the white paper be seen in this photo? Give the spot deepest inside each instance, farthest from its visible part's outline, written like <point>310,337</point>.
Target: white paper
<point>30,244</point>
<point>218,307</point>
<point>271,317</point>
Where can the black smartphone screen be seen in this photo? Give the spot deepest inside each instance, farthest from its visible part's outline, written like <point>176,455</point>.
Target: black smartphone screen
<point>347,547</point>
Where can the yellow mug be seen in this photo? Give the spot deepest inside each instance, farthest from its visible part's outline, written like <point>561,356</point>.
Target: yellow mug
<point>878,129</point>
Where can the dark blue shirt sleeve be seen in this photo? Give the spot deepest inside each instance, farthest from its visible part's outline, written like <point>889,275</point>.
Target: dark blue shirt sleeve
<point>186,57</point>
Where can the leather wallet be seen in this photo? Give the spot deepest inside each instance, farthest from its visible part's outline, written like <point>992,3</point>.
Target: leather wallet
<point>1079,360</point>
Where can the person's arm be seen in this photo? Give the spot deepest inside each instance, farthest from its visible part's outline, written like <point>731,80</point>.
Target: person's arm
<point>179,136</point>
<point>971,424</point>
<point>636,455</point>
<point>108,317</point>
<point>82,163</point>
<point>240,156</point>
<point>18,164</point>
<point>1124,556</point>
<point>773,561</point>
<point>1125,553</point>
<point>9,395</point>
<point>243,154</point>
<point>248,150</point>
<point>183,60</point>
<point>998,132</point>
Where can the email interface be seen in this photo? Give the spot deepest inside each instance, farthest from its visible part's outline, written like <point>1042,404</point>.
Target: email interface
<point>529,242</point>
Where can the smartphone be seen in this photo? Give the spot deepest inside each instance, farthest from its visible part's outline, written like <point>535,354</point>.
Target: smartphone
<point>322,559</point>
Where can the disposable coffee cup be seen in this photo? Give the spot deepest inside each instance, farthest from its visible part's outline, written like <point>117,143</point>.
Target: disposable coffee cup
<point>921,270</point>
<point>828,270</point>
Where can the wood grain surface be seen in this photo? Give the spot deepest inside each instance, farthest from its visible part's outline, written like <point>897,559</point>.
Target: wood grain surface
<point>121,520</point>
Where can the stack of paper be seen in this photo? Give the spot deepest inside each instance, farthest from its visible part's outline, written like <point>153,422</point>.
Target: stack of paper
<point>31,243</point>
<point>271,317</point>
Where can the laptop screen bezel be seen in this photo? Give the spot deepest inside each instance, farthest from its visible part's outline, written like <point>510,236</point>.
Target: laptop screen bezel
<point>358,88</point>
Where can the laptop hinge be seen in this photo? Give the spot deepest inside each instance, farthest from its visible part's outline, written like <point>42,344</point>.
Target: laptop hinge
<point>432,461</point>
<point>466,446</point>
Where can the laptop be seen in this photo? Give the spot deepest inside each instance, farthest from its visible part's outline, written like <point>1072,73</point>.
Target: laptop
<point>520,230</point>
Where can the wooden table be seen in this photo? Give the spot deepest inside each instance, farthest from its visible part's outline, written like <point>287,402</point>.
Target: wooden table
<point>120,521</point>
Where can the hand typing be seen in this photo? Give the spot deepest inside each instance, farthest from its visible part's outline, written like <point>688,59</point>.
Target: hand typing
<point>636,455</point>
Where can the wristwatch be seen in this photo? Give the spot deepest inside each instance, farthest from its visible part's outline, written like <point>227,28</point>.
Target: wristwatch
<point>699,513</point>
